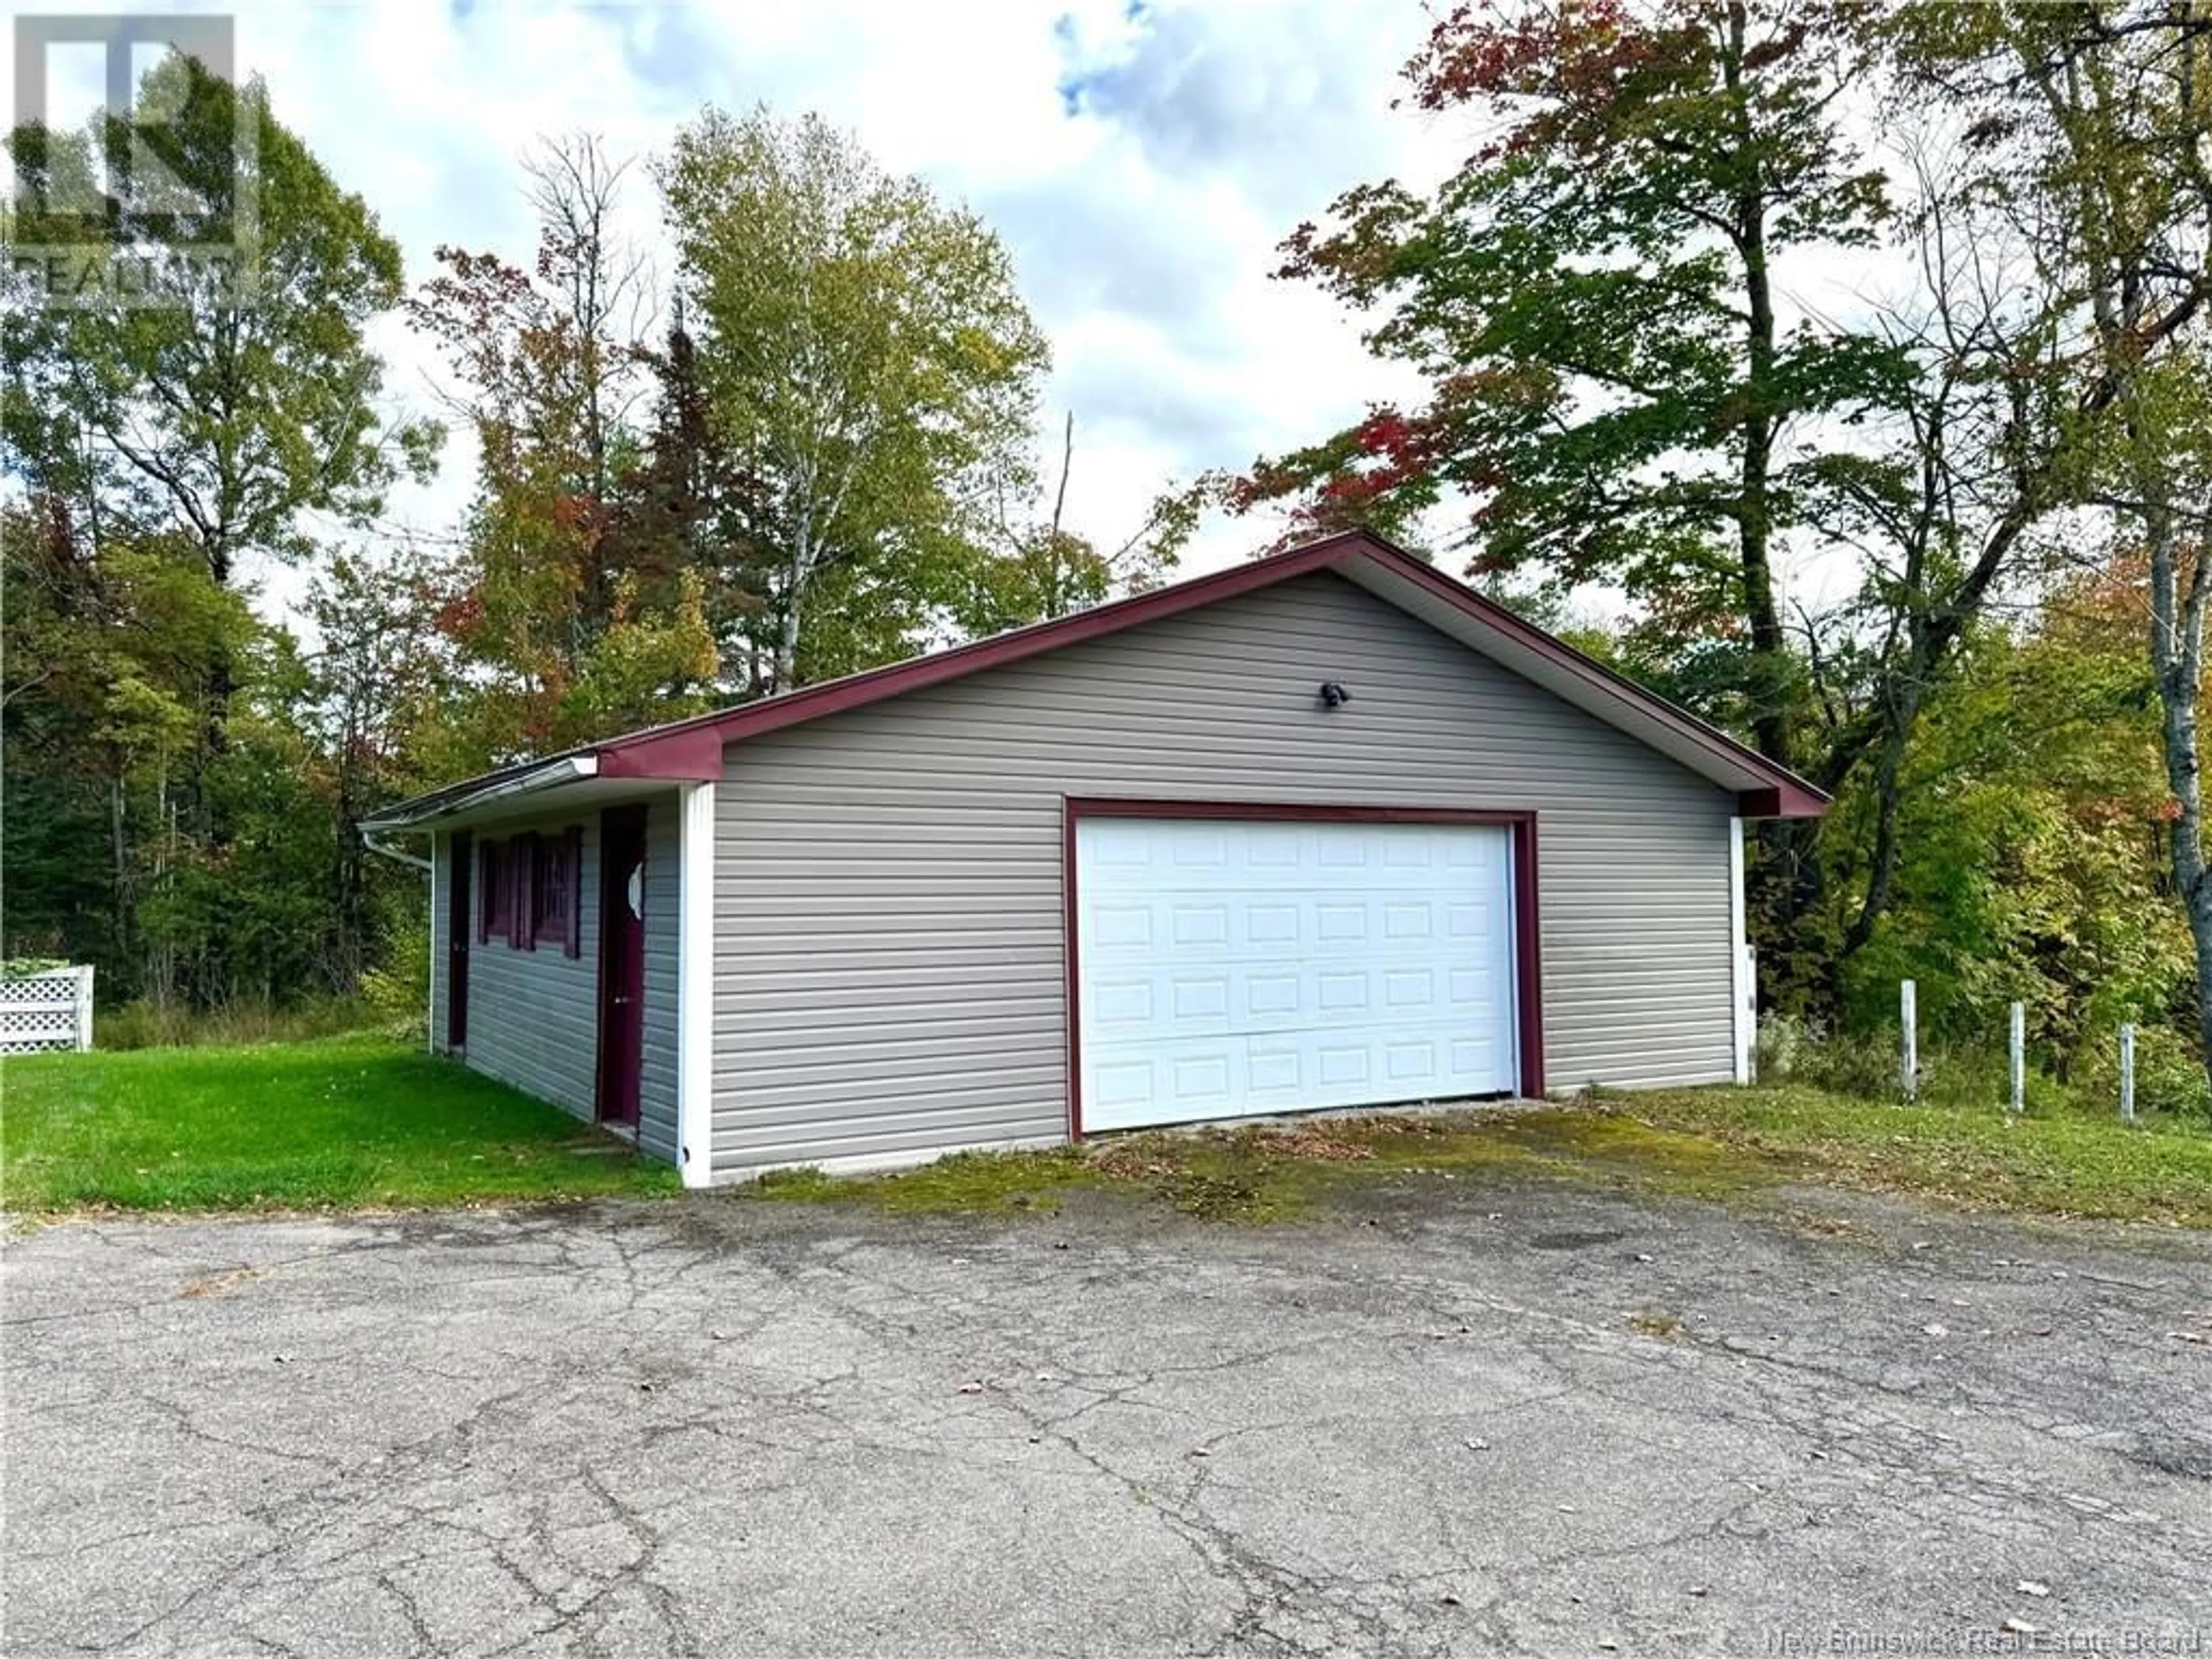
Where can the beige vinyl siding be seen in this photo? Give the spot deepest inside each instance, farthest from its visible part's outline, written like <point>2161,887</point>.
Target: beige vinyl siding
<point>888,974</point>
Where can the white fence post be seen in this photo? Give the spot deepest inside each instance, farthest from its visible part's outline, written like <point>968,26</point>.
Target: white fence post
<point>2127,1073</point>
<point>2019,1046</point>
<point>84,1010</point>
<point>1908,1063</point>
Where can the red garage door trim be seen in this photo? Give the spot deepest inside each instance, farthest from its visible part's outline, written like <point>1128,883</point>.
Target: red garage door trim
<point>1528,950</point>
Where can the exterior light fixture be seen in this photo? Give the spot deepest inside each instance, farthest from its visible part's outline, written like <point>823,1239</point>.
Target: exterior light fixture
<point>1333,694</point>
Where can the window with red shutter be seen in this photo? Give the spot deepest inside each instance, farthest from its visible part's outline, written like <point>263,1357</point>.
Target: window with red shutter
<point>521,866</point>
<point>550,905</point>
<point>573,843</point>
<point>498,894</point>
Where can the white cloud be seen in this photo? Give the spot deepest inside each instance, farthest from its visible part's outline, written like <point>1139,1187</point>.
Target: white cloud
<point>1141,160</point>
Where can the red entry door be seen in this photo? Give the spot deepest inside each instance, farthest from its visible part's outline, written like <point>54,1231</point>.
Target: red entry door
<point>460,922</point>
<point>621,961</point>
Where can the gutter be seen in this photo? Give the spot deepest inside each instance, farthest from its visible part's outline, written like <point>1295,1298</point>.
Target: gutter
<point>570,769</point>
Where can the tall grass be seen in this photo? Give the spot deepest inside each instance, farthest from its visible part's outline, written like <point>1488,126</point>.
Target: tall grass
<point>150,1025</point>
<point>2169,1077</point>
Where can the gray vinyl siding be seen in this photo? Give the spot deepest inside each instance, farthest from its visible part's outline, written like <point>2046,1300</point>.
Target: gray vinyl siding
<point>534,1015</point>
<point>664,878</point>
<point>889,969</point>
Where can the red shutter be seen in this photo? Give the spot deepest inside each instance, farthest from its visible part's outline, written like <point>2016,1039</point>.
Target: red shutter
<point>486,884</point>
<point>573,871</point>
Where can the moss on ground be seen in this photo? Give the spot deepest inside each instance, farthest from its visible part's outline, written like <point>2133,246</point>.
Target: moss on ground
<point>1714,1144</point>
<point>1271,1172</point>
<point>959,1182</point>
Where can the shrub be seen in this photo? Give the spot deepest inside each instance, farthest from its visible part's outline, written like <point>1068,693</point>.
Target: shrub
<point>1848,1063</point>
<point>1781,1043</point>
<point>400,991</point>
<point>2169,1074</point>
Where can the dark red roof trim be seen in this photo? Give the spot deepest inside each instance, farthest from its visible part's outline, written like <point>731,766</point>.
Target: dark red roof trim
<point>750,720</point>
<point>691,749</point>
<point>691,753</point>
<point>1787,797</point>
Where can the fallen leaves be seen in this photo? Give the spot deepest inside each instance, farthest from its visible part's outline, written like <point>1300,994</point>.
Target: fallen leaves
<point>1315,1143</point>
<point>219,1284</point>
<point>1131,1161</point>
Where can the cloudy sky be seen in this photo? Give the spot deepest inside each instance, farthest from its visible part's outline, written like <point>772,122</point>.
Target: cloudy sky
<point>1141,160</point>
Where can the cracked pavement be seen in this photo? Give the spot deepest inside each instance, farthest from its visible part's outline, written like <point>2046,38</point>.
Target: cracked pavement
<point>1457,1418</point>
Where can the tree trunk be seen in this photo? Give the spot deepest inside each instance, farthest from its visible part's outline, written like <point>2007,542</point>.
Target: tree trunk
<point>1881,874</point>
<point>794,600</point>
<point>1785,882</point>
<point>1770,714</point>
<point>221,689</point>
<point>2177,646</point>
<point>785,668</point>
<point>125,904</point>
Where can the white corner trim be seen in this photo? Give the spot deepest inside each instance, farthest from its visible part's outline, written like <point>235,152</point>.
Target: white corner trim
<point>1743,991</point>
<point>694,987</point>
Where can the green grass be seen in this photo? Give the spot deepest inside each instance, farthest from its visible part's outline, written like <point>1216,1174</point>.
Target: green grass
<point>346,1121</point>
<point>2055,1161</point>
<point>1701,1143</point>
<point>358,1121</point>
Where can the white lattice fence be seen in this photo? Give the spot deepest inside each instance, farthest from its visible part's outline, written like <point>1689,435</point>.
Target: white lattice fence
<point>51,1010</point>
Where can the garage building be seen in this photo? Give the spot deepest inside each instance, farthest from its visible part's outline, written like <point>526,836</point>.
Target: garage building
<point>1327,829</point>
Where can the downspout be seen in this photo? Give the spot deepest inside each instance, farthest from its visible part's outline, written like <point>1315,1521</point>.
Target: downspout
<point>375,846</point>
<point>429,868</point>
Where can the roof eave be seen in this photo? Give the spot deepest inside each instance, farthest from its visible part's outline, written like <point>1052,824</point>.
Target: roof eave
<point>679,754</point>
<point>692,750</point>
<point>1794,799</point>
<point>1763,788</point>
<point>424,810</point>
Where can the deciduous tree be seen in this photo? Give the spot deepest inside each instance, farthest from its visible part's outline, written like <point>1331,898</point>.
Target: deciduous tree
<point>2092,125</point>
<point>553,369</point>
<point>221,421</point>
<point>868,360</point>
<point>1037,566</point>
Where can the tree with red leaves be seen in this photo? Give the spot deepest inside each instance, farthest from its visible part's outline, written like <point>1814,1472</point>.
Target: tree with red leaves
<point>576,596</point>
<point>1617,393</point>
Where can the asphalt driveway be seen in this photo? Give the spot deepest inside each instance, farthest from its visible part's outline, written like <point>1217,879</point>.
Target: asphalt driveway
<point>1532,1419</point>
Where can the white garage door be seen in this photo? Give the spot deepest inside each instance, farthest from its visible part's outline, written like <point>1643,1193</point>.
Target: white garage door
<point>1232,966</point>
